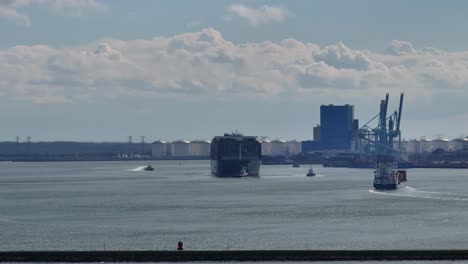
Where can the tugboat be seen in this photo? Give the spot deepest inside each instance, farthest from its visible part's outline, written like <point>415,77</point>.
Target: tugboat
<point>148,168</point>
<point>310,172</point>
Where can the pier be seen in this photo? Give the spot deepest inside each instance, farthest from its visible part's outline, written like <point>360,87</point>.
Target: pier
<point>234,255</point>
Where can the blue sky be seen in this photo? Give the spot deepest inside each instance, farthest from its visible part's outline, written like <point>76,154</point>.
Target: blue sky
<point>364,24</point>
<point>103,70</point>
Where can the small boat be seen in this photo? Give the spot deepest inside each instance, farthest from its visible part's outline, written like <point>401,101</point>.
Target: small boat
<point>310,172</point>
<point>295,165</point>
<point>149,168</point>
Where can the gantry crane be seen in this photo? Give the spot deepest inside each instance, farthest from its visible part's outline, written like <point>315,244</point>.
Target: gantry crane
<point>380,140</point>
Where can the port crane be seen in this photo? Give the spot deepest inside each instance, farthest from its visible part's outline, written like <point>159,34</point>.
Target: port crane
<point>380,140</point>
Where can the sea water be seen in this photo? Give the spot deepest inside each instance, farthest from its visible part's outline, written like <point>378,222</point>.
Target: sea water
<point>117,205</point>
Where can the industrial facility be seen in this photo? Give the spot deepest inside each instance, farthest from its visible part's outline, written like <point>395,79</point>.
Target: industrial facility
<point>337,125</point>
<point>338,140</point>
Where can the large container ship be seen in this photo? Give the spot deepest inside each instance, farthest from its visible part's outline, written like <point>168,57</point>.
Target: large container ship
<point>235,155</point>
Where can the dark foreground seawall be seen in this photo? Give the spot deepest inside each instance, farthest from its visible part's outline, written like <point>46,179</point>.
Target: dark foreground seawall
<point>238,255</point>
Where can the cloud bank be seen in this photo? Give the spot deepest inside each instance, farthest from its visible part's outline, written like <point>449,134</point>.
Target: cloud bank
<point>263,15</point>
<point>204,64</point>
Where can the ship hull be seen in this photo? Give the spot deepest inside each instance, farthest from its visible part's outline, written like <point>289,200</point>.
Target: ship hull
<point>385,186</point>
<point>235,168</point>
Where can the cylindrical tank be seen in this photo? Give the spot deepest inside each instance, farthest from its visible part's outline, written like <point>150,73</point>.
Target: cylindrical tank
<point>278,147</point>
<point>465,143</point>
<point>293,147</point>
<point>426,145</point>
<point>413,146</point>
<point>180,148</point>
<point>266,147</point>
<point>456,144</point>
<point>158,149</point>
<point>405,145</point>
<point>460,144</point>
<point>200,148</point>
<point>441,143</point>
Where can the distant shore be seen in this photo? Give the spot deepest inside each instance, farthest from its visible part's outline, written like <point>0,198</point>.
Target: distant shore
<point>235,255</point>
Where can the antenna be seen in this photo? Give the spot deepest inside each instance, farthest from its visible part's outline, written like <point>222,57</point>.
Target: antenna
<point>142,145</point>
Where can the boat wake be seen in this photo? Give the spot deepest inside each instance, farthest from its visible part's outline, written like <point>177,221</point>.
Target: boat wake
<point>319,175</point>
<point>407,191</point>
<point>141,168</point>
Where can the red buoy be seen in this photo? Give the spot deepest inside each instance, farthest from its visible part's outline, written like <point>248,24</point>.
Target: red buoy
<point>180,245</point>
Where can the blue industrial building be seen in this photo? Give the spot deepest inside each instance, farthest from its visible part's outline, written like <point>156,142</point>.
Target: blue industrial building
<point>337,125</point>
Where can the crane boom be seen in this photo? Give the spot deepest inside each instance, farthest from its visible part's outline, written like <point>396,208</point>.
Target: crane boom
<point>399,113</point>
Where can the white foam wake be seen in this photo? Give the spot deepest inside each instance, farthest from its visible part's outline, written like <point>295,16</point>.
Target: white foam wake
<point>138,168</point>
<point>407,191</point>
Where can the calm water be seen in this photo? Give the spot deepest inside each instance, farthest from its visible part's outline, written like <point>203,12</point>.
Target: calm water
<point>115,205</point>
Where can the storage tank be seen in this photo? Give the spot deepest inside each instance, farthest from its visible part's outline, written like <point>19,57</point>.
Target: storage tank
<point>278,147</point>
<point>293,147</point>
<point>459,144</point>
<point>456,144</point>
<point>266,147</point>
<point>413,146</point>
<point>465,143</point>
<point>440,143</point>
<point>200,148</point>
<point>426,145</point>
<point>180,148</point>
<point>158,149</point>
<point>405,145</point>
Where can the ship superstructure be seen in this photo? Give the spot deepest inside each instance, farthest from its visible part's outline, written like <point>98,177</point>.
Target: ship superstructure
<point>235,155</point>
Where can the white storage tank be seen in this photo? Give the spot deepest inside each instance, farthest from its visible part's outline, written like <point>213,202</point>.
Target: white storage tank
<point>465,143</point>
<point>459,144</point>
<point>441,143</point>
<point>405,145</point>
<point>278,147</point>
<point>200,148</point>
<point>180,148</point>
<point>456,144</point>
<point>413,146</point>
<point>426,145</point>
<point>293,147</point>
<point>158,149</point>
<point>266,147</point>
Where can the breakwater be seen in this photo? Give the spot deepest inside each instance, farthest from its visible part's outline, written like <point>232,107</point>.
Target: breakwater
<point>235,255</point>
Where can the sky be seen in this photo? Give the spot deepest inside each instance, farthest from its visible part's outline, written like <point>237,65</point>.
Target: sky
<point>92,70</point>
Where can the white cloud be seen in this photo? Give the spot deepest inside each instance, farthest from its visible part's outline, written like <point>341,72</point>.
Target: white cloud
<point>11,14</point>
<point>398,47</point>
<point>340,56</point>
<point>262,15</point>
<point>9,9</point>
<point>204,64</point>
